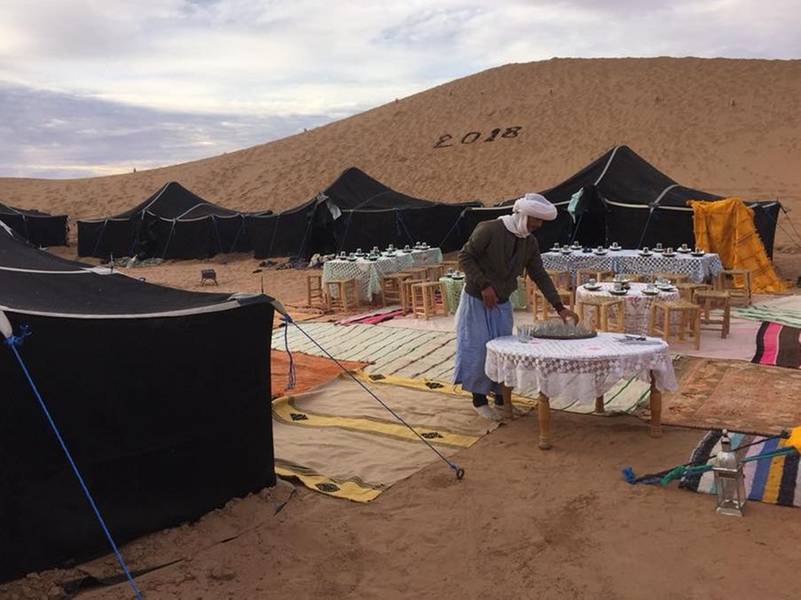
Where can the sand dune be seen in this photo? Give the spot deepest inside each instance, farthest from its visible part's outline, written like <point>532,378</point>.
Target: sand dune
<point>729,126</point>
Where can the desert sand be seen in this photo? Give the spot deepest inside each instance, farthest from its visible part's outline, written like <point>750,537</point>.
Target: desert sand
<point>523,523</point>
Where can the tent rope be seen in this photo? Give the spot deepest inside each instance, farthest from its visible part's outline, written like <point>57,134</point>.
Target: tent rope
<point>456,468</point>
<point>14,342</point>
<point>291,378</point>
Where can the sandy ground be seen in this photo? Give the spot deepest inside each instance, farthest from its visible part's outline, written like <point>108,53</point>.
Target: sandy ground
<point>523,524</point>
<point>732,127</point>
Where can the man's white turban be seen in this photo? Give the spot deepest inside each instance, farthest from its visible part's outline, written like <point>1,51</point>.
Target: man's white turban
<point>530,205</point>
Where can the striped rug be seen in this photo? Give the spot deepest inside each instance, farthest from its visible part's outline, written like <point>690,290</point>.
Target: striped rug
<point>775,481</point>
<point>778,345</point>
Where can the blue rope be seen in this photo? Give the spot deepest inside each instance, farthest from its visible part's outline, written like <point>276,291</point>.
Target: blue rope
<point>291,377</point>
<point>456,468</point>
<point>14,342</point>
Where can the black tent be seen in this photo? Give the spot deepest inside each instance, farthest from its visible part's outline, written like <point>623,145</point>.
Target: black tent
<point>627,200</point>
<point>161,394</point>
<point>172,223</point>
<point>39,228</point>
<point>356,211</point>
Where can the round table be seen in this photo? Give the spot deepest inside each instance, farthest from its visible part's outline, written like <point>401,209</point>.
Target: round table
<point>583,370</point>
<point>636,304</point>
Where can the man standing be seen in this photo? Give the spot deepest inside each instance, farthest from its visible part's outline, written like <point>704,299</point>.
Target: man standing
<point>496,253</point>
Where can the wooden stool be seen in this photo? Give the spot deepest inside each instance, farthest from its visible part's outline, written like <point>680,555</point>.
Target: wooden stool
<point>406,297</point>
<point>673,277</point>
<point>314,289</point>
<point>709,300</point>
<point>434,272</point>
<point>561,279</point>
<point>689,317</point>
<point>346,294</point>
<point>607,318</point>
<point>728,280</point>
<point>583,275</point>
<point>687,289</point>
<point>540,305</point>
<point>424,299</point>
<point>417,273</point>
<point>392,288</point>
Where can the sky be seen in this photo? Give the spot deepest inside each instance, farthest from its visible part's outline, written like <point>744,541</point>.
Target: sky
<point>96,87</point>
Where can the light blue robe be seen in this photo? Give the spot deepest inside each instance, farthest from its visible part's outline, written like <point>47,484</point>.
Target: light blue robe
<point>475,326</point>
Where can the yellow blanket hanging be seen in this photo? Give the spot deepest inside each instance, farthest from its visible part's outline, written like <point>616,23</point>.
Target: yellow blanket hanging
<point>727,228</point>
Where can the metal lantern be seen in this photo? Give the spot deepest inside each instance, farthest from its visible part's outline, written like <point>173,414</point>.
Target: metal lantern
<point>729,480</point>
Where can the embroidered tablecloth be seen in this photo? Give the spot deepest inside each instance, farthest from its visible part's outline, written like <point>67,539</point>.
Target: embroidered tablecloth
<point>367,273</point>
<point>637,306</point>
<point>581,370</point>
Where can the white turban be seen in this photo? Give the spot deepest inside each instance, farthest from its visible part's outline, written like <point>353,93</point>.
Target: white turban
<point>530,205</point>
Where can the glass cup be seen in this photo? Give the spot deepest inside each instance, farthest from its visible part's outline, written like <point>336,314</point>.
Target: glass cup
<point>618,286</point>
<point>645,249</point>
<point>659,245</point>
<point>670,250</point>
<point>592,282</point>
<point>684,246</point>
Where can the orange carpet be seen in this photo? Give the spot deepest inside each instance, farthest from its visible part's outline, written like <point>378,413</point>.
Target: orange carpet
<point>310,371</point>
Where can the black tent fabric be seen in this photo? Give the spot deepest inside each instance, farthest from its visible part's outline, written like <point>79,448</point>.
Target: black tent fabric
<point>627,200</point>
<point>39,228</point>
<point>172,223</point>
<point>356,211</point>
<point>162,396</point>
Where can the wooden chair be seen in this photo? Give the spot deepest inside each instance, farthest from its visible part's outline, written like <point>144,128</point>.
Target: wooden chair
<point>729,280</point>
<point>710,300</point>
<point>450,264</point>
<point>406,298</point>
<point>392,288</point>
<point>609,313</point>
<point>346,295</point>
<point>687,289</point>
<point>583,275</point>
<point>427,300</point>
<point>539,305</point>
<point>675,320</point>
<point>314,289</point>
<point>673,277</point>
<point>416,273</point>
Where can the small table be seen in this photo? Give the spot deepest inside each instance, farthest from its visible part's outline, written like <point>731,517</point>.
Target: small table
<point>583,370</point>
<point>637,305</point>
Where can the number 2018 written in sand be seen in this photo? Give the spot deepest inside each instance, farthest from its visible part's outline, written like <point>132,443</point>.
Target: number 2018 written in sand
<point>447,140</point>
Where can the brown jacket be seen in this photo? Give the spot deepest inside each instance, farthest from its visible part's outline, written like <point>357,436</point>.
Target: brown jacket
<point>494,256</point>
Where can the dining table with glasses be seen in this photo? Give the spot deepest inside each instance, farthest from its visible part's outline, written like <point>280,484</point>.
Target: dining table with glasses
<point>582,370</point>
<point>697,265</point>
<point>637,300</point>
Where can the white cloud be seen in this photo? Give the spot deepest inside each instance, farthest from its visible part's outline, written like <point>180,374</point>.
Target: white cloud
<point>315,57</point>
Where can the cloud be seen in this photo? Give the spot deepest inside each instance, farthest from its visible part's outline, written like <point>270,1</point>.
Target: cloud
<point>266,60</point>
<point>63,135</point>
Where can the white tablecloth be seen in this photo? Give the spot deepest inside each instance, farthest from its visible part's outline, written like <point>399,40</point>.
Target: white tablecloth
<point>699,268</point>
<point>636,304</point>
<point>368,273</point>
<point>580,370</point>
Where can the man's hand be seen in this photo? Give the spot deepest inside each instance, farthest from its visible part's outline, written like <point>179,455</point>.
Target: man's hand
<point>489,296</point>
<point>566,314</point>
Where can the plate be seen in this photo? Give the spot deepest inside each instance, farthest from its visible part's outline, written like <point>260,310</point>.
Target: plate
<point>666,288</point>
<point>646,253</point>
<point>618,292</point>
<point>592,288</point>
<point>660,250</point>
<point>654,293</point>
<point>698,253</point>
<point>669,254</point>
<point>680,251</point>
